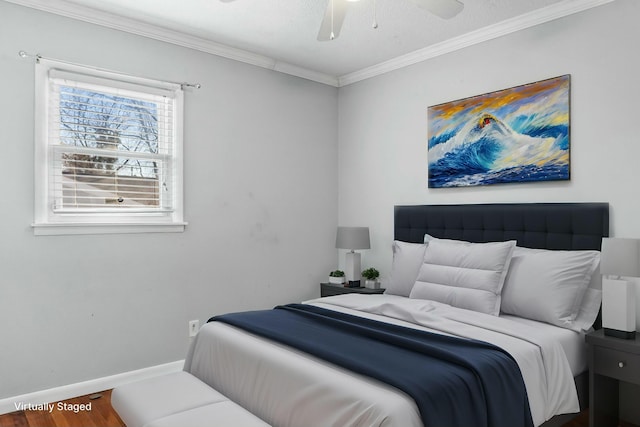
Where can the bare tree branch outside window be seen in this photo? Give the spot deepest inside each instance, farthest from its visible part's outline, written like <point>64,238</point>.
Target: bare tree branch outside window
<point>107,136</point>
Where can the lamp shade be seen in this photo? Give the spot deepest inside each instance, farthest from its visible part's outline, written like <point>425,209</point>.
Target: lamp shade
<point>620,257</point>
<point>353,238</point>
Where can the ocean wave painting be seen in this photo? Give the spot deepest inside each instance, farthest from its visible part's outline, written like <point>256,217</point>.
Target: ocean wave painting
<point>519,134</point>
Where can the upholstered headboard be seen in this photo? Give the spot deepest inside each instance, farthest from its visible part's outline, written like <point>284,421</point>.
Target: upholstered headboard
<point>566,226</point>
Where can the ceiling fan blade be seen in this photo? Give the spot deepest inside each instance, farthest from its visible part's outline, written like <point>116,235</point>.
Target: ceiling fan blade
<point>445,9</point>
<point>339,12</point>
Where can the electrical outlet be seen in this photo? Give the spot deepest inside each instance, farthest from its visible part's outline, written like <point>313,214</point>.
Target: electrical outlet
<point>194,325</point>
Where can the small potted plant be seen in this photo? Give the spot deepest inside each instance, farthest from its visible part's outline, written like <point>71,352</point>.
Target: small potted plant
<point>371,274</point>
<point>336,277</point>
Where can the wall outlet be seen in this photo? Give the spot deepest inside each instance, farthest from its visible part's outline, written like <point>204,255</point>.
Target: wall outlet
<point>194,325</point>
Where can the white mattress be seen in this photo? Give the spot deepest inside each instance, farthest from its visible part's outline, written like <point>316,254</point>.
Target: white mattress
<point>288,388</point>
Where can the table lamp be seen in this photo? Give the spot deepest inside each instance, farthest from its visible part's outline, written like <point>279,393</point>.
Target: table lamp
<point>352,238</point>
<point>619,257</point>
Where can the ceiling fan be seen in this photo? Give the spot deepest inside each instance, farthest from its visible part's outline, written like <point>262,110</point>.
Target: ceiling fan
<point>337,9</point>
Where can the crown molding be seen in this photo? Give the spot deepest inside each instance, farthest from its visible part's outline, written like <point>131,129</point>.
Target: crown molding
<point>86,14</point>
<point>540,16</point>
<point>83,13</point>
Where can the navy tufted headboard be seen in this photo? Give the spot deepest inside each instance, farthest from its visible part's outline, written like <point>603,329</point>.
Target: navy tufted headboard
<point>567,226</point>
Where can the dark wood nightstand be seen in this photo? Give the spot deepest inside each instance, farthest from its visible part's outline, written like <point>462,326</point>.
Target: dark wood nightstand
<point>610,360</point>
<point>330,289</point>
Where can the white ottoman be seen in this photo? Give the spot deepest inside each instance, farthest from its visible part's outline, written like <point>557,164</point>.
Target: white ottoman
<point>142,402</point>
<point>221,414</point>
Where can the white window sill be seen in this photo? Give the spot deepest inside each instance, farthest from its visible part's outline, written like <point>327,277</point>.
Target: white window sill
<point>67,228</point>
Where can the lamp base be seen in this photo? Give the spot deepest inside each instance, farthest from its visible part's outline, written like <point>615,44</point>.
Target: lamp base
<point>625,335</point>
<point>352,270</point>
<point>618,308</point>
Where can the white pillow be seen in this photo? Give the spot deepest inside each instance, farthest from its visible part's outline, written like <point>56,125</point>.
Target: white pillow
<point>407,259</point>
<point>548,286</point>
<point>428,238</point>
<point>588,310</point>
<point>591,303</point>
<point>464,275</point>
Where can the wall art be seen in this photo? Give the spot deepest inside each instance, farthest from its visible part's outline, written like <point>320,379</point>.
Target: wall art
<point>519,134</point>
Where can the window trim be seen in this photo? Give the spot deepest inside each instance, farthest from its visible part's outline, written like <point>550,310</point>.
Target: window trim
<point>47,222</point>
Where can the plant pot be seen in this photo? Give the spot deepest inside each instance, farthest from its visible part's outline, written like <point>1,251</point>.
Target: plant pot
<point>336,280</point>
<point>372,284</point>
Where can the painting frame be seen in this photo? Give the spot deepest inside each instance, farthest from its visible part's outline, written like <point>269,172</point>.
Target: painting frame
<point>514,135</point>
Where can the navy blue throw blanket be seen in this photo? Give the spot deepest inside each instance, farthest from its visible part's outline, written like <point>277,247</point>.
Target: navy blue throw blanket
<point>454,382</point>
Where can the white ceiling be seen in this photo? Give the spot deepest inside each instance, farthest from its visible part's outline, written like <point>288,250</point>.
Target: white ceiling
<point>281,34</point>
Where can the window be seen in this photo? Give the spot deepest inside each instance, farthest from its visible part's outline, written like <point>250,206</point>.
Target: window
<point>108,152</point>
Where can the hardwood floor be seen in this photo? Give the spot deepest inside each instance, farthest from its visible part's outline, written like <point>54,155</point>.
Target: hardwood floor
<point>103,415</point>
<point>68,414</point>
<point>581,420</point>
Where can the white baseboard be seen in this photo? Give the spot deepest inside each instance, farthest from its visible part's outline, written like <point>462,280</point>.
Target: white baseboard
<point>87,387</point>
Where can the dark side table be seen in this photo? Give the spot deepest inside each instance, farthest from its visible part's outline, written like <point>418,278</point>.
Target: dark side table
<point>610,360</point>
<point>330,289</point>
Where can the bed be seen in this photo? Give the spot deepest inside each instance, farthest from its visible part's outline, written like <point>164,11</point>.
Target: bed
<point>290,387</point>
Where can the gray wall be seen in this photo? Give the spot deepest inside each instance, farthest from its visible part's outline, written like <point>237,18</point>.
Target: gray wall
<point>260,198</point>
<point>383,123</point>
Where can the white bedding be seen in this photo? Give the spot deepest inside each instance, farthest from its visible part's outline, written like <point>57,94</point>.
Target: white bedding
<point>288,388</point>
<point>573,344</point>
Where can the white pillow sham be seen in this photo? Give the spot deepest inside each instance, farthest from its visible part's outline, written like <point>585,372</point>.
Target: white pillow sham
<point>407,259</point>
<point>463,274</point>
<point>549,286</point>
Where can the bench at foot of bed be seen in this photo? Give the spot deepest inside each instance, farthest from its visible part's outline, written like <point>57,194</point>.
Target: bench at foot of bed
<point>178,400</point>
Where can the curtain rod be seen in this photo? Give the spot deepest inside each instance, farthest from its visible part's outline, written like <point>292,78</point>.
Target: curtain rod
<point>38,57</point>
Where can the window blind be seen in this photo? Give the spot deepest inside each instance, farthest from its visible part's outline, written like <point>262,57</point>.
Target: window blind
<point>110,145</point>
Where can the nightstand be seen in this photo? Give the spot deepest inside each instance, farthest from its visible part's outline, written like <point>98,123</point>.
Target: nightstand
<point>610,360</point>
<point>330,289</point>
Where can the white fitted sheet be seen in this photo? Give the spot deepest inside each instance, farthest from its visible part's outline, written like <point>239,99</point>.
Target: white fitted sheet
<point>288,388</point>
<point>573,343</point>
